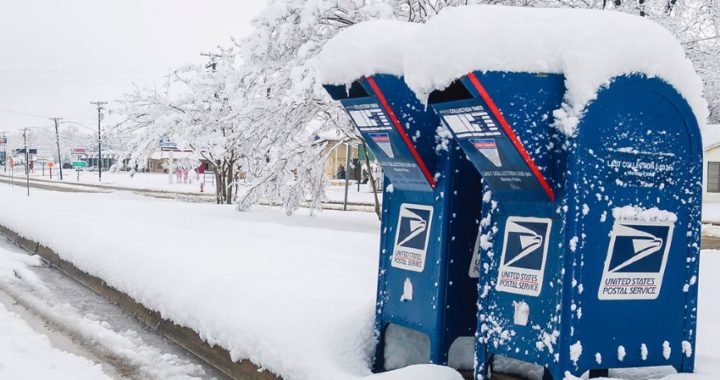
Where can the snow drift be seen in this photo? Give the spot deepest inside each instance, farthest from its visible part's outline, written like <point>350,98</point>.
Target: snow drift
<point>365,49</point>
<point>589,47</point>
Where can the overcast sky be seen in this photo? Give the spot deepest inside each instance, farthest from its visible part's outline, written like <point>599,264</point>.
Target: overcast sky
<point>57,56</point>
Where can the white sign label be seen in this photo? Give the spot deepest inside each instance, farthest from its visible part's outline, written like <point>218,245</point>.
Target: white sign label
<point>369,117</point>
<point>524,252</point>
<point>411,240</point>
<point>636,260</point>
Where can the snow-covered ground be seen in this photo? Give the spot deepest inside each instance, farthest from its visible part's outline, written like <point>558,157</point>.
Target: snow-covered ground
<point>711,212</point>
<point>160,182</point>
<point>81,322</point>
<point>363,195</point>
<point>151,181</point>
<point>26,354</point>
<point>293,294</point>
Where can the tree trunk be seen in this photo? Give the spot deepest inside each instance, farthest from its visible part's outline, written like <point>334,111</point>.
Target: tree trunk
<point>228,183</point>
<point>219,185</point>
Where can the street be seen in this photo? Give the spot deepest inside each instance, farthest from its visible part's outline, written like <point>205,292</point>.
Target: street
<point>82,322</point>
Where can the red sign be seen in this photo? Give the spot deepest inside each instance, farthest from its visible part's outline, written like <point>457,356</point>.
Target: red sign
<point>3,140</point>
<point>79,150</point>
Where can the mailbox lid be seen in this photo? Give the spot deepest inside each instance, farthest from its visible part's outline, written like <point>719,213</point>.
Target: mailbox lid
<point>397,128</point>
<point>503,123</point>
<point>387,144</point>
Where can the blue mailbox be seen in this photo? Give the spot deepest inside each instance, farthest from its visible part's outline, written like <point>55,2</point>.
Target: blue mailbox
<point>595,238</point>
<point>430,221</point>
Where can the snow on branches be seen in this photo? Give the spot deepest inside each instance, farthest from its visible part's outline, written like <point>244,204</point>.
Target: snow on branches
<point>197,110</point>
<point>258,108</point>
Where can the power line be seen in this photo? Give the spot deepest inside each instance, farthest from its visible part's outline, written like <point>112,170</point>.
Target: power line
<point>22,113</point>
<point>41,116</point>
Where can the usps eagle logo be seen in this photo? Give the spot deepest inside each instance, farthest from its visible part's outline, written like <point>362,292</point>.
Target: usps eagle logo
<point>411,240</point>
<point>636,259</point>
<point>525,246</point>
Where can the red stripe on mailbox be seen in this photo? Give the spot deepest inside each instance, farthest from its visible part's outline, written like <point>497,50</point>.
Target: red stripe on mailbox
<point>511,134</point>
<point>401,131</point>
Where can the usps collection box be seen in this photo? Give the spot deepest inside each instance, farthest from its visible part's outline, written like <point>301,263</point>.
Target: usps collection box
<point>580,163</point>
<point>430,226</point>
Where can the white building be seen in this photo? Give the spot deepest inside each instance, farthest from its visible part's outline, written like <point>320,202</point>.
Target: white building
<point>711,163</point>
<point>158,160</point>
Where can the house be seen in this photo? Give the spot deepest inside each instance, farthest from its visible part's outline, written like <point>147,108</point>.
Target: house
<point>157,161</point>
<point>711,163</point>
<point>337,152</point>
<point>109,158</point>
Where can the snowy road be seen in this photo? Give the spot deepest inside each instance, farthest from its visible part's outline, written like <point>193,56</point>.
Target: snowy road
<point>84,324</point>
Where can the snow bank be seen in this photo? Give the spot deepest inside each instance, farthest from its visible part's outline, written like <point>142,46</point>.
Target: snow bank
<point>590,47</point>
<point>295,295</point>
<point>419,372</point>
<point>368,48</point>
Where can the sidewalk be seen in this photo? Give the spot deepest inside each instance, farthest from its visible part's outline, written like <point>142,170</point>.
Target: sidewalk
<point>295,295</point>
<point>156,182</point>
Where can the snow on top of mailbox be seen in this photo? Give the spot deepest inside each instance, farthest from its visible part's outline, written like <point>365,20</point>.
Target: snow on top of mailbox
<point>590,47</point>
<point>364,49</point>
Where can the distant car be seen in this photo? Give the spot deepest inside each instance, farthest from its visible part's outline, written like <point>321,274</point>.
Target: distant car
<point>67,165</point>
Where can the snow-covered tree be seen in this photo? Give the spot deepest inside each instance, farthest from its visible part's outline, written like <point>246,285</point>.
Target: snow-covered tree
<point>289,33</point>
<point>194,110</point>
<point>71,134</point>
<point>278,56</point>
<point>259,106</point>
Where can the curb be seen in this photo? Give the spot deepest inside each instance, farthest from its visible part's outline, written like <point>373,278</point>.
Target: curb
<point>184,337</point>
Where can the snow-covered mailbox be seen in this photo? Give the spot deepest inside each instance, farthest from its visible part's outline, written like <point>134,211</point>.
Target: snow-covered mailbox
<point>584,126</point>
<point>426,297</point>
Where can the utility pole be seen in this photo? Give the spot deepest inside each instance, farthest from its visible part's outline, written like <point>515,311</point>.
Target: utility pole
<point>99,106</point>
<point>3,142</point>
<point>27,160</point>
<point>57,141</point>
<point>213,56</point>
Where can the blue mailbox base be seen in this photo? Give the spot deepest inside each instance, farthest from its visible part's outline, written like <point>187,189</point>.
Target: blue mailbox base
<point>436,297</point>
